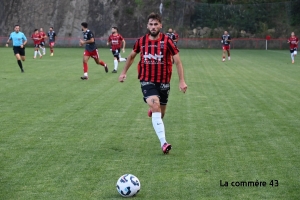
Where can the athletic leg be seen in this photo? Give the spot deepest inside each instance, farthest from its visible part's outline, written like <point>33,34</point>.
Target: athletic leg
<point>18,57</point>
<point>85,67</point>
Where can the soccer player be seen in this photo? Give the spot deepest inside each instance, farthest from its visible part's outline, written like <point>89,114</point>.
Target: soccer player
<point>42,42</point>
<point>226,39</point>
<point>51,35</point>
<point>116,40</point>
<point>293,41</point>
<point>90,50</point>
<point>154,73</point>
<point>176,37</point>
<point>170,34</point>
<point>36,37</point>
<point>19,40</point>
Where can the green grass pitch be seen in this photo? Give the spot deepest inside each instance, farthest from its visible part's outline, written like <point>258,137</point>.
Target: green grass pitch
<point>64,138</point>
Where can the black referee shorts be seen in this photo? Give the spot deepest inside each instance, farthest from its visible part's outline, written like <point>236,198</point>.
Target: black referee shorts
<point>161,90</point>
<point>19,50</point>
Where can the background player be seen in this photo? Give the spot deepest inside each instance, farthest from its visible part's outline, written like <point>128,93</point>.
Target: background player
<point>19,40</point>
<point>52,36</point>
<point>170,34</point>
<point>116,40</point>
<point>176,37</point>
<point>154,72</point>
<point>226,39</point>
<point>42,42</point>
<point>293,41</point>
<point>90,50</point>
<point>36,37</point>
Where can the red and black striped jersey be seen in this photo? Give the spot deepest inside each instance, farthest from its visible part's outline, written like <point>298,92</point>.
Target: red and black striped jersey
<point>155,63</point>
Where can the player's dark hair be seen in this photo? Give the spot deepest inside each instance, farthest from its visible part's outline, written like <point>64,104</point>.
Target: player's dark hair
<point>51,27</point>
<point>114,27</point>
<point>17,25</point>
<point>84,24</point>
<point>35,30</point>
<point>154,16</point>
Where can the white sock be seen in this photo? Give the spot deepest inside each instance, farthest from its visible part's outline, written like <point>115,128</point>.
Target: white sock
<point>44,50</point>
<point>39,53</point>
<point>85,74</point>
<point>35,52</point>
<point>159,127</point>
<point>116,65</point>
<point>292,56</point>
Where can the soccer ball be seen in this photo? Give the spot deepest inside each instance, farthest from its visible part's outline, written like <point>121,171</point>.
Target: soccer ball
<point>128,185</point>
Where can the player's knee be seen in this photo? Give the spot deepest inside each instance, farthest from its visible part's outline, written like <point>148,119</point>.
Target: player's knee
<point>155,106</point>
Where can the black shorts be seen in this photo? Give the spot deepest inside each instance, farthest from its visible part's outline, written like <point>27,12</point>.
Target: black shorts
<point>19,50</point>
<point>42,44</point>
<point>292,50</point>
<point>156,89</point>
<point>116,53</point>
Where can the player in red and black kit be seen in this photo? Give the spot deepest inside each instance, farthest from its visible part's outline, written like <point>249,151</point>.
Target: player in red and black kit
<point>293,41</point>
<point>36,37</point>
<point>226,39</point>
<point>154,72</point>
<point>42,44</point>
<point>90,50</point>
<point>115,40</point>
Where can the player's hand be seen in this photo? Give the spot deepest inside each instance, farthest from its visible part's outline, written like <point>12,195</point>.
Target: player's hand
<point>122,77</point>
<point>6,45</point>
<point>22,46</point>
<point>81,42</point>
<point>123,50</point>
<point>182,86</point>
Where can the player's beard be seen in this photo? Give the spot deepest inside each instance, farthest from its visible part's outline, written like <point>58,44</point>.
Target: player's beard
<point>154,34</point>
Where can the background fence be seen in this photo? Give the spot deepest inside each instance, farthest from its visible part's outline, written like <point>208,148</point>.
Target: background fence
<point>190,18</point>
<point>196,43</point>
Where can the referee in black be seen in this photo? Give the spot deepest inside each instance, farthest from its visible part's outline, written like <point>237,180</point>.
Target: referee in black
<point>19,40</point>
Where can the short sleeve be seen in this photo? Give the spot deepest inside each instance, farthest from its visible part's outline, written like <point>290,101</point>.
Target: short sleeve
<point>136,46</point>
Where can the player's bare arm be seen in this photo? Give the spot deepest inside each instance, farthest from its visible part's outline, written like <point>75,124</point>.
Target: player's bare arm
<point>124,43</point>
<point>128,63</point>
<point>7,42</point>
<point>182,84</point>
<point>82,42</point>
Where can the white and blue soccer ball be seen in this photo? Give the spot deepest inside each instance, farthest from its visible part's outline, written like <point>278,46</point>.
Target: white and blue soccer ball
<point>128,185</point>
